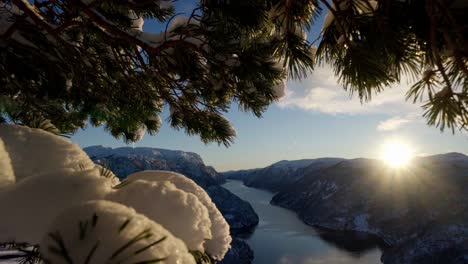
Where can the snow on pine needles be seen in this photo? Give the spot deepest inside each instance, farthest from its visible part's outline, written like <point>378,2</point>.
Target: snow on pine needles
<point>59,200</point>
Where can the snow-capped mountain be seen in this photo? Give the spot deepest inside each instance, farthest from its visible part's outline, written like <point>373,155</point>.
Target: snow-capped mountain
<point>280,175</point>
<point>412,209</point>
<point>126,160</point>
<point>238,213</point>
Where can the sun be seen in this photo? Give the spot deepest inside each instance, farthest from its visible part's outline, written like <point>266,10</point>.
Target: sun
<point>396,154</point>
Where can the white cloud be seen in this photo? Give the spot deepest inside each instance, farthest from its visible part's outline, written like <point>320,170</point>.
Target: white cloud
<point>321,92</point>
<point>393,123</point>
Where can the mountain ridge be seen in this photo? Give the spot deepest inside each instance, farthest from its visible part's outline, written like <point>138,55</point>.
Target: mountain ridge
<point>127,160</point>
<point>279,175</point>
<point>409,208</point>
<point>238,213</point>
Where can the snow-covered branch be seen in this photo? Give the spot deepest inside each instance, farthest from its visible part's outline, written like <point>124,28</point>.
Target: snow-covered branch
<point>79,211</point>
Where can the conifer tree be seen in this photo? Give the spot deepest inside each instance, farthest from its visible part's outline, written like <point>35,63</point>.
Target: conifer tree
<point>79,61</point>
<point>371,44</point>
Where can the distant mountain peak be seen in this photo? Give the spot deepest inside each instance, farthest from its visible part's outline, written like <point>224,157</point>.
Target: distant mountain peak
<point>292,163</point>
<point>281,174</point>
<point>99,151</point>
<point>299,164</point>
<point>446,157</point>
<point>451,155</point>
<point>126,160</point>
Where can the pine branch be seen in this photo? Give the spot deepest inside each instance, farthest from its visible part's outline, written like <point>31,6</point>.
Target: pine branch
<point>26,253</point>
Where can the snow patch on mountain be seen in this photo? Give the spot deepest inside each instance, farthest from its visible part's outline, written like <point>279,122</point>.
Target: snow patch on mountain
<point>126,160</point>
<point>96,152</point>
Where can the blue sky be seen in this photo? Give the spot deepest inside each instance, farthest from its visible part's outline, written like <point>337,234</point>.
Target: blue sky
<point>316,118</point>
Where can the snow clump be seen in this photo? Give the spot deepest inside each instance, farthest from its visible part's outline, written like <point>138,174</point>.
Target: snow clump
<point>37,152</point>
<point>220,242</point>
<point>44,177</point>
<point>35,201</point>
<point>79,233</point>
<point>6,172</point>
<point>178,211</point>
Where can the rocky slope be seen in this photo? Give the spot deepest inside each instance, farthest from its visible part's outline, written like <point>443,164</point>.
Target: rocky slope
<point>280,175</point>
<point>126,160</point>
<point>411,209</point>
<point>238,213</point>
<point>447,244</point>
<point>239,175</point>
<point>240,253</point>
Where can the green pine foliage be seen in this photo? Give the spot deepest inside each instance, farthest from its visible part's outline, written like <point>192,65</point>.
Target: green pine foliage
<point>80,62</point>
<point>371,47</point>
<point>74,63</point>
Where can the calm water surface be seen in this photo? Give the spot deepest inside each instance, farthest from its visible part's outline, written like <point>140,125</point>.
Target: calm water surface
<point>281,238</point>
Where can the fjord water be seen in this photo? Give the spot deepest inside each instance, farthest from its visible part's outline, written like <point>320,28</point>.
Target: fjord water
<point>282,238</point>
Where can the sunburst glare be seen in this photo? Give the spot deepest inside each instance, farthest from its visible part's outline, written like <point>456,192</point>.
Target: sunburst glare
<point>396,154</point>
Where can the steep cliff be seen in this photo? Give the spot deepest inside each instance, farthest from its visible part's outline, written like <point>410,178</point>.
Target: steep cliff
<point>238,213</point>
<point>280,175</point>
<point>407,208</point>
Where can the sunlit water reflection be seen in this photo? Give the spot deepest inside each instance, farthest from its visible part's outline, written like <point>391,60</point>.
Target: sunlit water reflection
<point>281,238</point>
